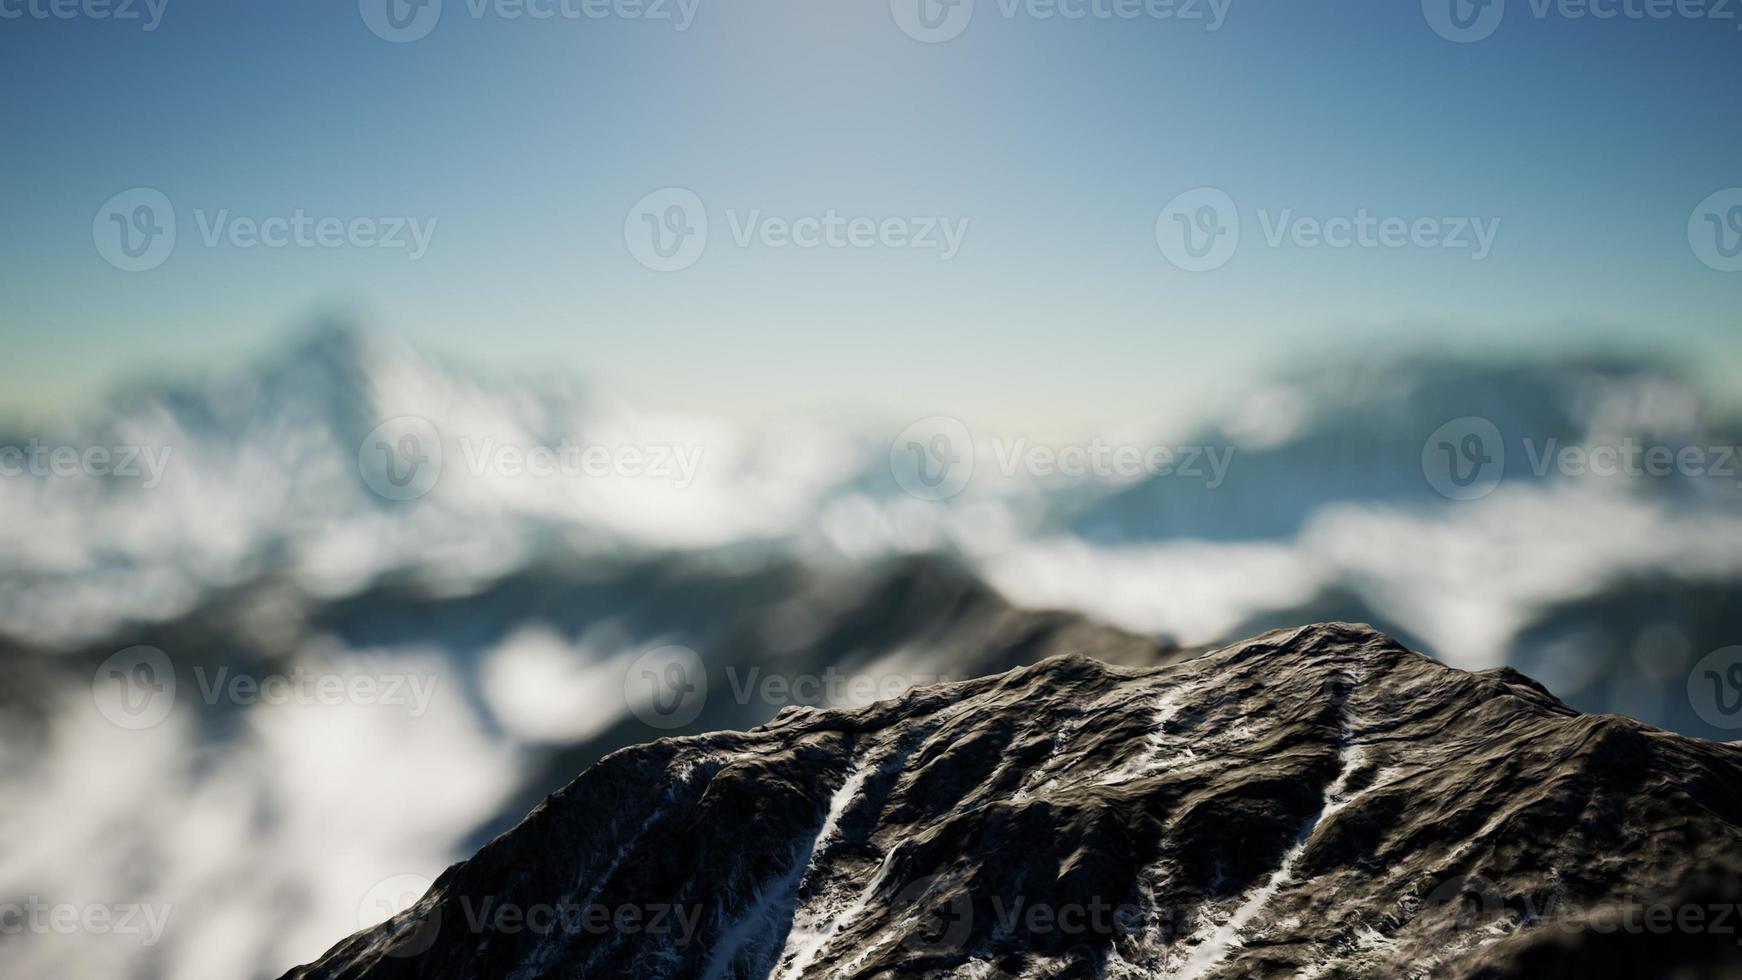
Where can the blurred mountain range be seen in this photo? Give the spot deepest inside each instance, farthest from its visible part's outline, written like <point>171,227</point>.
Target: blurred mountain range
<point>545,614</point>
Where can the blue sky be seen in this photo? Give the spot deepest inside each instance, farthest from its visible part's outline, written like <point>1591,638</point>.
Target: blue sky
<point>1052,144</point>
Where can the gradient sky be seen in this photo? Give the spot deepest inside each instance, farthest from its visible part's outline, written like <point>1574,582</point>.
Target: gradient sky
<point>1059,140</point>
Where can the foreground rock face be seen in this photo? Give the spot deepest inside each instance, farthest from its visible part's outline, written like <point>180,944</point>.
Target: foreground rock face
<point>1318,802</point>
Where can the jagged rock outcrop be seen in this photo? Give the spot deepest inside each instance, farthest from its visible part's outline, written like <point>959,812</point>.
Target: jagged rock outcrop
<point>1318,802</point>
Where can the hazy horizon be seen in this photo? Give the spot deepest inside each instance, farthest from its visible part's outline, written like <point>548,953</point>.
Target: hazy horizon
<point>1192,391</point>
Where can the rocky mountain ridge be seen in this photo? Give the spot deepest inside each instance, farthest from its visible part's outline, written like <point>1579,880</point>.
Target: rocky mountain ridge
<point>1316,802</point>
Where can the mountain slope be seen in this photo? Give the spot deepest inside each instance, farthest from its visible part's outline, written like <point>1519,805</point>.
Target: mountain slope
<point>1318,801</point>
<point>1352,433</point>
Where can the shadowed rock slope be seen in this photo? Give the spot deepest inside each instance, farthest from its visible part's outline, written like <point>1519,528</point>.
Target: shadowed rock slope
<point>1316,802</point>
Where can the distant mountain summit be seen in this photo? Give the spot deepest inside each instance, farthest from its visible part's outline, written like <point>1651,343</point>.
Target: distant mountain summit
<point>1315,802</point>
<point>1354,432</point>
